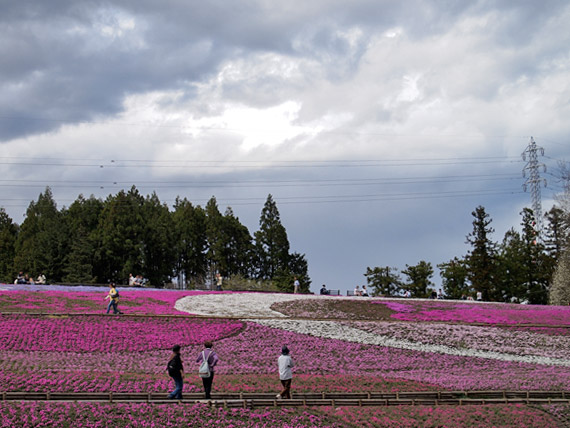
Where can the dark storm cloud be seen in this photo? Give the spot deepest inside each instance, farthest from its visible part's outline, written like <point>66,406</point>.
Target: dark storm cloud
<point>67,61</point>
<point>63,63</point>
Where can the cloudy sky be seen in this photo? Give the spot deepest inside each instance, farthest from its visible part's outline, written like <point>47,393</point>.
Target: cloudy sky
<point>378,126</point>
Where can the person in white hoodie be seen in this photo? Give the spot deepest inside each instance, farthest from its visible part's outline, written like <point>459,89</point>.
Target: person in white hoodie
<point>285,375</point>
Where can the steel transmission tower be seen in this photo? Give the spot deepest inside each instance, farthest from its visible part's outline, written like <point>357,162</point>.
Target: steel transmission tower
<point>534,181</point>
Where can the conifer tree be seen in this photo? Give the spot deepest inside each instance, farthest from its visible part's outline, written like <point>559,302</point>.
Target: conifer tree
<point>556,232</point>
<point>481,260</point>
<point>238,246</point>
<point>81,220</point>
<point>156,239</point>
<point>298,268</point>
<point>383,281</point>
<point>271,242</point>
<point>120,232</point>
<point>511,277</point>
<point>537,266</point>
<point>419,279</point>
<point>190,241</point>
<point>560,289</point>
<point>79,259</point>
<point>215,238</point>
<point>8,236</point>
<point>454,275</point>
<point>42,241</point>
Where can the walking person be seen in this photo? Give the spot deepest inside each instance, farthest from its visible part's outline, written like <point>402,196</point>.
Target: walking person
<point>211,357</point>
<point>176,372</point>
<point>285,364</point>
<point>113,297</point>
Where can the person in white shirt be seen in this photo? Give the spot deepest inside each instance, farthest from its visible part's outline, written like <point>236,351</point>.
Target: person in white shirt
<point>285,374</point>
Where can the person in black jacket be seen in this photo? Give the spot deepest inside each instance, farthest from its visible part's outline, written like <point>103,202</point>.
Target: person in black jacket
<point>176,372</point>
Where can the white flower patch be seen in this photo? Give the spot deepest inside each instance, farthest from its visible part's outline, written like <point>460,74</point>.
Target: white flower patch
<point>486,338</point>
<point>336,330</point>
<point>237,304</point>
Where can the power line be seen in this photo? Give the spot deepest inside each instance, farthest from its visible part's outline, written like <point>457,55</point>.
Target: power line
<point>258,183</point>
<point>346,198</point>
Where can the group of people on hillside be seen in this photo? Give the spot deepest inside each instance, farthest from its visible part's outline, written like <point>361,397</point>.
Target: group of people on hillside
<point>27,279</point>
<point>361,291</point>
<point>136,281</point>
<point>208,359</point>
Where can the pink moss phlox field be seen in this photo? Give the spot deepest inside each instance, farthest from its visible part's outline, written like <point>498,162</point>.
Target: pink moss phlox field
<point>474,312</point>
<point>331,356</point>
<point>101,334</point>
<point>255,350</point>
<point>97,353</point>
<point>83,381</point>
<point>148,302</point>
<point>91,415</point>
<point>122,415</point>
<point>510,415</point>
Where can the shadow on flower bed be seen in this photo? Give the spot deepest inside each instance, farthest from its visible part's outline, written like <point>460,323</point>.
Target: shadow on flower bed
<point>331,308</point>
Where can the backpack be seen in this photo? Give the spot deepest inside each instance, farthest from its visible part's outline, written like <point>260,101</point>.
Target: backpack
<point>204,370</point>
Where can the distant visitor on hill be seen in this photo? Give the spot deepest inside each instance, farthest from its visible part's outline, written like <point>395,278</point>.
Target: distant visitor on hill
<point>324,290</point>
<point>296,285</point>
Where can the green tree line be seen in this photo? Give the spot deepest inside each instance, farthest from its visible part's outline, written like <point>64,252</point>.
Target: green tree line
<point>95,241</point>
<point>520,268</point>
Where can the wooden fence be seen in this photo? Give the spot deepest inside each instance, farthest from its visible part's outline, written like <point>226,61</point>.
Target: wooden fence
<point>334,399</point>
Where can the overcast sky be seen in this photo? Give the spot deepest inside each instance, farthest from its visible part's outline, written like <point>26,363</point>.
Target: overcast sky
<point>378,126</point>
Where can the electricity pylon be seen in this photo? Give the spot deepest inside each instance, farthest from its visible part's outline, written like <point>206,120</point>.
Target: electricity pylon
<point>534,181</point>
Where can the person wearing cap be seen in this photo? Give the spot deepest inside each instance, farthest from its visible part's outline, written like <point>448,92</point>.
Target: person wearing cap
<point>212,358</point>
<point>176,372</point>
<point>113,297</point>
<point>285,364</point>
